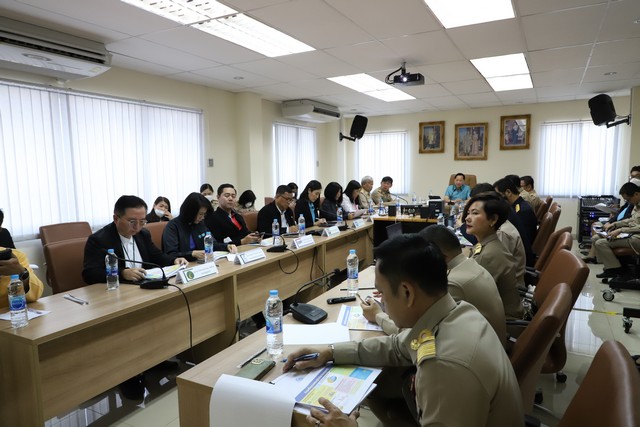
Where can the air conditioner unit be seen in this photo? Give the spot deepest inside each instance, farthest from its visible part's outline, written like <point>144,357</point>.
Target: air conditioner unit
<point>38,50</point>
<point>310,111</point>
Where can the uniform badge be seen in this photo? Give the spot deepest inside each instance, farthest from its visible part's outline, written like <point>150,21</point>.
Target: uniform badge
<point>477,248</point>
<point>425,345</point>
<point>518,208</point>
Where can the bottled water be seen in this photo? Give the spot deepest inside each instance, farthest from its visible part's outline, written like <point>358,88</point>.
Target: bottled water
<point>339,216</point>
<point>414,199</point>
<point>370,207</point>
<point>440,219</point>
<point>398,211</point>
<point>111,266</point>
<point>273,316</point>
<point>381,209</point>
<point>301,226</point>
<point>352,273</point>
<point>208,247</point>
<point>17,302</point>
<point>275,231</point>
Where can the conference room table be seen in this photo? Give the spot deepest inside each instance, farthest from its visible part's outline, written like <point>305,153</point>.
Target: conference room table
<point>410,224</point>
<point>195,386</point>
<point>75,352</point>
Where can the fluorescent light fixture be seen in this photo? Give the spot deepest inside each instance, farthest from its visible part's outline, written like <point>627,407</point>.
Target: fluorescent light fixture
<point>521,81</point>
<point>247,32</point>
<point>224,22</point>
<point>458,13</point>
<point>506,72</point>
<point>371,86</point>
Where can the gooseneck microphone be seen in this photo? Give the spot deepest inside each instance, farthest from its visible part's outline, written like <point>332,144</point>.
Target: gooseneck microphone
<point>397,196</point>
<point>145,283</point>
<point>308,313</point>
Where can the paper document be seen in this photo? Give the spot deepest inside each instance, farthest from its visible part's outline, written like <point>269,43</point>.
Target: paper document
<point>619,236</point>
<point>352,317</point>
<point>219,255</point>
<point>325,333</point>
<point>169,271</point>
<point>32,313</point>
<point>344,385</point>
<point>238,401</point>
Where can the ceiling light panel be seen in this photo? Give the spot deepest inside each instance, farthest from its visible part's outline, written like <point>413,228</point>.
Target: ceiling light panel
<point>500,84</point>
<point>184,11</point>
<point>458,13</point>
<point>371,86</point>
<point>504,65</point>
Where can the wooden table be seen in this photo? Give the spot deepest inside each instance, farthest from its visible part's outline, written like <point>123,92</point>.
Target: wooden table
<point>78,351</point>
<point>196,385</point>
<point>410,224</point>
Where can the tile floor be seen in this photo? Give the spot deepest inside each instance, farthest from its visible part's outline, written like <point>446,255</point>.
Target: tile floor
<point>586,331</point>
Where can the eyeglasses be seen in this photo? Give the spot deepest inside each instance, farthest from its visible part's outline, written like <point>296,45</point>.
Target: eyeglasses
<point>134,222</point>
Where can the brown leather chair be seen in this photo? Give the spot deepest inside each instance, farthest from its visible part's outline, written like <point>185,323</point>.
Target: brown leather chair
<point>156,229</point>
<point>609,393</point>
<point>64,264</point>
<point>470,180</point>
<point>559,239</point>
<point>553,206</point>
<point>556,216</point>
<point>268,200</point>
<point>543,208</point>
<point>530,350</point>
<point>64,231</point>
<point>544,231</point>
<point>251,219</point>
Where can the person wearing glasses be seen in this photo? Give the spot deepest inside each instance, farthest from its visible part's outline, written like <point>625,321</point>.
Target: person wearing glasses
<point>184,235</point>
<point>280,209</point>
<point>129,239</point>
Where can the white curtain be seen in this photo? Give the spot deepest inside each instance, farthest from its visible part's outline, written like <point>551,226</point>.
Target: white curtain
<point>578,159</point>
<point>385,154</point>
<point>68,157</point>
<point>294,154</point>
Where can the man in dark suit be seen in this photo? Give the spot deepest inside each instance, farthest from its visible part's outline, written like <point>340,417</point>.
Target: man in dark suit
<point>225,223</point>
<point>129,239</point>
<point>279,208</point>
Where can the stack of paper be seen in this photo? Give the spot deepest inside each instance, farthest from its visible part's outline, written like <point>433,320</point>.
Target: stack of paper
<point>169,271</point>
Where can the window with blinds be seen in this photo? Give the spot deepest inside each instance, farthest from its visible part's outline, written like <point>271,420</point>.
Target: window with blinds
<point>384,154</point>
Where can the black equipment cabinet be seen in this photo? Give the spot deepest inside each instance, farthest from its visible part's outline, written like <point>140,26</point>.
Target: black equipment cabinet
<point>588,213</point>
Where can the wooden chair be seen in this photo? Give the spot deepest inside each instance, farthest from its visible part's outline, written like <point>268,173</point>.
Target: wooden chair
<point>530,350</point>
<point>470,180</point>
<point>64,231</point>
<point>156,229</point>
<point>64,264</point>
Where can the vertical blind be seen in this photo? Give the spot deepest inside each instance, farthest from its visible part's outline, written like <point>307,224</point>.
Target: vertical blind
<point>385,154</point>
<point>578,159</point>
<point>294,154</point>
<point>68,157</point>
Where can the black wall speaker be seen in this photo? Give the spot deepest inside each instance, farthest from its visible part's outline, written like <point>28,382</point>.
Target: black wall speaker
<point>602,109</point>
<point>358,126</point>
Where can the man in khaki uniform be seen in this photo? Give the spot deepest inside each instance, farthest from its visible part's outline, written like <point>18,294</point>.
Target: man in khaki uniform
<point>463,376</point>
<point>528,193</point>
<point>364,198</point>
<point>382,193</point>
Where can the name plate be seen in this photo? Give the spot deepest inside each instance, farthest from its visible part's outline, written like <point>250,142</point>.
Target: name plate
<point>197,272</point>
<point>243,258</point>
<point>357,223</point>
<point>301,242</point>
<point>331,231</point>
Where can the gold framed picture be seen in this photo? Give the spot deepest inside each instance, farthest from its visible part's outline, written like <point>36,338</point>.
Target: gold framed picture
<point>514,132</point>
<point>431,137</point>
<point>471,141</point>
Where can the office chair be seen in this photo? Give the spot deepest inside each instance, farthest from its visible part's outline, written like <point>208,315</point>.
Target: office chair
<point>268,200</point>
<point>156,229</point>
<point>553,206</point>
<point>559,239</point>
<point>64,231</point>
<point>251,219</point>
<point>544,231</point>
<point>530,349</point>
<point>470,180</point>
<point>543,208</point>
<point>64,264</point>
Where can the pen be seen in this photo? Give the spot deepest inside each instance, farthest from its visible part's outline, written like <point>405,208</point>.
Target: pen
<point>310,356</point>
<point>361,300</point>
<point>361,289</point>
<point>253,356</point>
<point>75,299</point>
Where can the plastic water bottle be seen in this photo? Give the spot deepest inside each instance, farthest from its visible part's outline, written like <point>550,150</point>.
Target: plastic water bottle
<point>273,316</point>
<point>111,267</point>
<point>208,247</point>
<point>339,216</point>
<point>370,207</point>
<point>398,211</point>
<point>381,209</point>
<point>17,302</point>
<point>275,231</point>
<point>414,199</point>
<point>352,273</point>
<point>440,219</point>
<point>301,226</point>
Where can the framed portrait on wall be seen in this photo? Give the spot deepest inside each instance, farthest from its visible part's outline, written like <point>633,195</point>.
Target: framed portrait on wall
<point>431,137</point>
<point>514,132</point>
<point>471,141</point>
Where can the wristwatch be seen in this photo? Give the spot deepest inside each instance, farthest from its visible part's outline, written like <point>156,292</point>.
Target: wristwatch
<point>24,276</point>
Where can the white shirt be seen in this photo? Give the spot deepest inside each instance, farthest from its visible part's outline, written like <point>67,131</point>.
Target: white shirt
<point>131,252</point>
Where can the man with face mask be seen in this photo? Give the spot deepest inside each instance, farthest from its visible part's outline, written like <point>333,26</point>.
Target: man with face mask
<point>226,224</point>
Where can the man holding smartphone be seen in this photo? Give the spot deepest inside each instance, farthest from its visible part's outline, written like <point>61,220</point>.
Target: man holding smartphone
<point>13,261</point>
<point>226,224</point>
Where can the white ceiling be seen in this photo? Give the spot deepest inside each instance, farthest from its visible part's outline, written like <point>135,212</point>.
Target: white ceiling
<point>569,46</point>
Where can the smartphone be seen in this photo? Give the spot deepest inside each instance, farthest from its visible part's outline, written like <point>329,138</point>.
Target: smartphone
<point>5,254</point>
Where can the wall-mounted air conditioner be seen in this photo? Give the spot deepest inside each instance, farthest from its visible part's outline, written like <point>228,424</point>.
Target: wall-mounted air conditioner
<point>310,111</point>
<point>38,50</point>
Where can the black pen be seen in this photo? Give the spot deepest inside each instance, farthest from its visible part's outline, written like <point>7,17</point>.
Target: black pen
<point>310,356</point>
<point>361,289</point>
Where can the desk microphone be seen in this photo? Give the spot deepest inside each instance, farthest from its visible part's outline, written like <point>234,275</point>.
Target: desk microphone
<point>397,196</point>
<point>276,248</point>
<point>308,313</point>
<point>145,283</point>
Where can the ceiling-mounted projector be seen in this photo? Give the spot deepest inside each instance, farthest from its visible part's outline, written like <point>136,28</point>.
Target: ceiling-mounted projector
<point>404,78</point>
